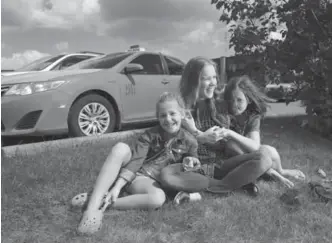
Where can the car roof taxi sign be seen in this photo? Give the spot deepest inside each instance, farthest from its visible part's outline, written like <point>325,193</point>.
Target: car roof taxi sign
<point>136,48</point>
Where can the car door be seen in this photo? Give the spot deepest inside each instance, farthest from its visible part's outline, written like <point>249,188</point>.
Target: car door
<point>174,69</point>
<point>141,89</point>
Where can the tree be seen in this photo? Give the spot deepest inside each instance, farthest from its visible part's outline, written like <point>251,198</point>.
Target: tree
<point>292,40</point>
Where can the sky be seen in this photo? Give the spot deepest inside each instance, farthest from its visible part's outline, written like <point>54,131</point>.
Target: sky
<point>31,29</point>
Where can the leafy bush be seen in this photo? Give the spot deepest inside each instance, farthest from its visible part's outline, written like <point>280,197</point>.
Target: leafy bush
<point>292,41</point>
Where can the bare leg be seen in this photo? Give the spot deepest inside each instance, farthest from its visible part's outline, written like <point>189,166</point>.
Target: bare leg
<point>232,148</point>
<point>119,156</point>
<point>283,180</point>
<point>276,165</point>
<point>146,194</point>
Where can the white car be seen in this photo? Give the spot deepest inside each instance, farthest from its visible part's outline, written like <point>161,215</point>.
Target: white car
<point>93,97</point>
<point>53,63</point>
<point>281,91</point>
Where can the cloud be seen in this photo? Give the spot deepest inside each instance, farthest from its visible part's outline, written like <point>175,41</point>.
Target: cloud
<point>62,46</point>
<point>59,14</point>
<point>144,20</point>
<point>200,34</point>
<point>19,59</point>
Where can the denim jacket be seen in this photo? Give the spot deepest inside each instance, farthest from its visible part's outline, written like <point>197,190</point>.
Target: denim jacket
<point>153,151</point>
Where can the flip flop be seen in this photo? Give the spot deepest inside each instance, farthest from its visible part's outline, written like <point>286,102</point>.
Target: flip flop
<point>91,221</point>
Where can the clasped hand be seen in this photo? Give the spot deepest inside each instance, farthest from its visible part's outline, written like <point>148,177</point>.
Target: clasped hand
<point>216,133</point>
<point>191,163</point>
<point>212,135</point>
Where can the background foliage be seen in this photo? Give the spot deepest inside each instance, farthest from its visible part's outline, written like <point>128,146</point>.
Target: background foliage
<point>291,40</point>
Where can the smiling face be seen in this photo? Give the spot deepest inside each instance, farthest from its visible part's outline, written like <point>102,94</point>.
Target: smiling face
<point>207,82</point>
<point>170,116</point>
<point>238,102</point>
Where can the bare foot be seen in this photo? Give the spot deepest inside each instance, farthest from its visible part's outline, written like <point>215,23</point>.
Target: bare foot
<point>281,178</point>
<point>286,182</point>
<point>296,174</point>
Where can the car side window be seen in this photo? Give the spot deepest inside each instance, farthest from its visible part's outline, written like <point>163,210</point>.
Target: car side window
<point>175,66</point>
<point>151,64</point>
<point>69,61</point>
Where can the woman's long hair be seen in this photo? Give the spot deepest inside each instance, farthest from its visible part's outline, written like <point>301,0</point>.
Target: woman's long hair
<point>257,101</point>
<point>189,88</point>
<point>189,83</point>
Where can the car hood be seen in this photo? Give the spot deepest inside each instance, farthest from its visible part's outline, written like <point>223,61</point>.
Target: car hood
<point>44,76</point>
<point>15,73</point>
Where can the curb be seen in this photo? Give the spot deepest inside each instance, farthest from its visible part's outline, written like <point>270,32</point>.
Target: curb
<point>36,148</point>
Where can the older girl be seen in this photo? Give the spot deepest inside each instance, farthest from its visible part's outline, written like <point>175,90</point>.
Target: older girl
<point>208,123</point>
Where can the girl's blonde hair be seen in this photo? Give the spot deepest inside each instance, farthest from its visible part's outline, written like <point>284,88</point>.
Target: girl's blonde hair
<point>168,96</point>
<point>257,100</point>
<point>189,83</point>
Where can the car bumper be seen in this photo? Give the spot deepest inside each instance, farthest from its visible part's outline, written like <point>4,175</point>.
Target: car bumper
<point>34,115</point>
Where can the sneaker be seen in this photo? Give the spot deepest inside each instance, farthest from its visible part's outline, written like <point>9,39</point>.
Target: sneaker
<point>182,197</point>
<point>251,189</point>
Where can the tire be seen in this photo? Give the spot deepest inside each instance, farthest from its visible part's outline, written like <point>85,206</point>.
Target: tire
<point>88,102</point>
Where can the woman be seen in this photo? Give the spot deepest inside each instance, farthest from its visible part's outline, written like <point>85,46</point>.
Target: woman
<point>225,167</point>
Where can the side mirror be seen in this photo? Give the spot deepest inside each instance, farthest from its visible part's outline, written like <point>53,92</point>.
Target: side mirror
<point>133,67</point>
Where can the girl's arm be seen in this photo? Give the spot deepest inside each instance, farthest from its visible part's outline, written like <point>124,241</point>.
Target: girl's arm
<point>209,136</point>
<point>248,143</point>
<point>251,141</point>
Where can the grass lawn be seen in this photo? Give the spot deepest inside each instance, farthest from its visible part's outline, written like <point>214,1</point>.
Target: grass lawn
<point>36,191</point>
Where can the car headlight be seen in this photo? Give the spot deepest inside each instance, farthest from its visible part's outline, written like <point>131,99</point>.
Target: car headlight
<point>31,88</point>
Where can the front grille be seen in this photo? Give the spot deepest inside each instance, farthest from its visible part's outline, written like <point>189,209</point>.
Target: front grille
<point>4,89</point>
<point>29,120</point>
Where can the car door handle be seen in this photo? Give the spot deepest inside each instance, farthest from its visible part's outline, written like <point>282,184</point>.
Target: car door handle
<point>165,81</point>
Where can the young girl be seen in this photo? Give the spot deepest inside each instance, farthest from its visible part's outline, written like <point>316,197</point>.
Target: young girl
<point>247,105</point>
<point>141,164</point>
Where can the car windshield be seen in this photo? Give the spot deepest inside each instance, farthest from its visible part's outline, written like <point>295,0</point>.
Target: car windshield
<point>103,62</point>
<point>39,64</point>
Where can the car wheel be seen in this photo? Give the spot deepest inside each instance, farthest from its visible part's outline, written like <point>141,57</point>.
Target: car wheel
<point>91,115</point>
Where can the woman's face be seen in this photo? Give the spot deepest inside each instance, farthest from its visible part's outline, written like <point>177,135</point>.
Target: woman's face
<point>207,82</point>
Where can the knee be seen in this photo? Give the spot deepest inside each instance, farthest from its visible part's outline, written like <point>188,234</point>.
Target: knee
<point>264,158</point>
<point>121,150</point>
<point>157,199</point>
<point>271,151</point>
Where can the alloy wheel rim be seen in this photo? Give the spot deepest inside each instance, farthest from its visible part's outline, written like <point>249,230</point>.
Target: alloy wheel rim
<point>94,119</point>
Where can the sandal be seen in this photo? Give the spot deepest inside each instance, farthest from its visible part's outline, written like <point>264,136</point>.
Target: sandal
<point>91,221</point>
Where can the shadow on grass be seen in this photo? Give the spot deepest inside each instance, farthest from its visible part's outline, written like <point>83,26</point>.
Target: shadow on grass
<point>36,191</point>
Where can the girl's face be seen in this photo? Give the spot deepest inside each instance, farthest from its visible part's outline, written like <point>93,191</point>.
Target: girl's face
<point>170,116</point>
<point>207,82</point>
<point>238,102</point>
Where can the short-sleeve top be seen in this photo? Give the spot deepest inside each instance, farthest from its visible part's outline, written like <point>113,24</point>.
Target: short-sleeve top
<point>251,122</point>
